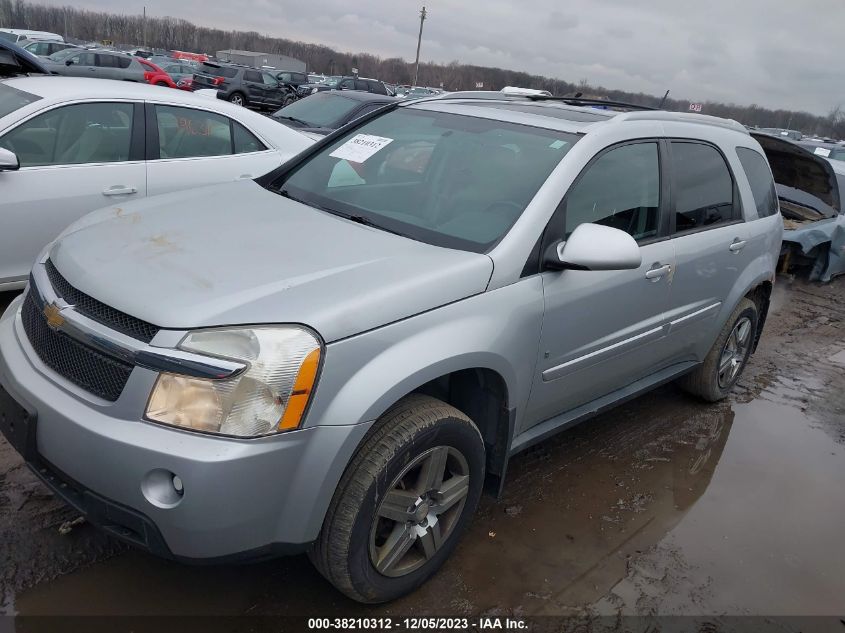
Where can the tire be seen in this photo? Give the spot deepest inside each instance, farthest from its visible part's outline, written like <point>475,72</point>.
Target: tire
<point>237,98</point>
<point>161,83</point>
<point>737,339</point>
<point>413,438</point>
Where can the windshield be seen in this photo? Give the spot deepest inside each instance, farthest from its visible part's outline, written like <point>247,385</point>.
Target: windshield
<point>445,179</point>
<point>61,55</point>
<point>332,81</point>
<point>323,109</point>
<point>12,99</point>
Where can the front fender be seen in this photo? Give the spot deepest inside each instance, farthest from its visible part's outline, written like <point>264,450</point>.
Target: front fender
<point>365,374</point>
<point>498,330</point>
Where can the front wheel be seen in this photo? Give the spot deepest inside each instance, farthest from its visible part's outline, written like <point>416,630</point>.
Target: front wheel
<point>714,378</point>
<point>403,502</point>
<point>237,98</point>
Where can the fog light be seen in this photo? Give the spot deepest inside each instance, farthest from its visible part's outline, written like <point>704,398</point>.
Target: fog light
<point>162,488</point>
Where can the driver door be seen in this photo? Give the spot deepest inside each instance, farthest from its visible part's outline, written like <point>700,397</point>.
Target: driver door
<point>603,330</point>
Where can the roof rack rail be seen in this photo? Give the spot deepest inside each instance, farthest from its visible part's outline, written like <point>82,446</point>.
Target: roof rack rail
<point>576,101</point>
<point>685,117</point>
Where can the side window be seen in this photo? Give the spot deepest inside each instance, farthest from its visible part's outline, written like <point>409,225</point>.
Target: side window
<point>253,76</point>
<point>760,178</point>
<point>363,86</point>
<point>621,189</point>
<point>347,84</point>
<point>244,140</point>
<point>188,133</point>
<point>269,80</point>
<point>703,189</point>
<point>85,59</point>
<point>74,134</point>
<point>377,87</point>
<point>123,61</point>
<point>286,77</point>
<point>106,61</point>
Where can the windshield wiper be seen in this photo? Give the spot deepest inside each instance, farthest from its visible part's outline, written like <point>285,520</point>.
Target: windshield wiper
<point>360,219</point>
<point>293,119</point>
<point>352,217</point>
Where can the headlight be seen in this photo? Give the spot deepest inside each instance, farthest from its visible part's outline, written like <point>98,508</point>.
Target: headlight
<point>314,91</point>
<point>269,396</point>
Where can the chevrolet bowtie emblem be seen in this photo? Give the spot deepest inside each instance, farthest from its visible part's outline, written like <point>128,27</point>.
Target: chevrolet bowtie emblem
<point>53,315</point>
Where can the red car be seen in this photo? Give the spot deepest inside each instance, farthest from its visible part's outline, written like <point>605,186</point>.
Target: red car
<point>154,75</point>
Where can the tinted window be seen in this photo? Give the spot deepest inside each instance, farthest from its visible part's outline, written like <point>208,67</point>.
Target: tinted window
<point>186,133</point>
<point>347,84</point>
<point>702,187</point>
<point>377,87</point>
<point>12,99</point>
<point>620,189</point>
<point>244,140</point>
<point>75,134</point>
<point>253,76</point>
<point>285,77</point>
<point>451,180</point>
<point>760,178</point>
<point>107,61</point>
<point>217,71</point>
<point>324,109</point>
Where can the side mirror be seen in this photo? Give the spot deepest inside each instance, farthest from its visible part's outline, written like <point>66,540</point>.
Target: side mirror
<point>68,62</point>
<point>594,247</point>
<point>8,160</point>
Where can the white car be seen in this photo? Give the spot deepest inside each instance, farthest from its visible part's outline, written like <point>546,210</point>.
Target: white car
<point>74,145</point>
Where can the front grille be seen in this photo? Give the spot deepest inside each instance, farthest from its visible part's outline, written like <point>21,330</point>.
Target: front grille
<point>98,311</point>
<point>97,373</point>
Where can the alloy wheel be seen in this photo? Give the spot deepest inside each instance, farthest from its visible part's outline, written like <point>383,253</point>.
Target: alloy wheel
<point>734,352</point>
<point>419,511</point>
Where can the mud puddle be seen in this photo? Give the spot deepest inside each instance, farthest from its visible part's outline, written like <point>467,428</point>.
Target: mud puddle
<point>665,505</point>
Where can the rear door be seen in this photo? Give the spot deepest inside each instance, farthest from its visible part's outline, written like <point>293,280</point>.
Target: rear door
<point>603,330</point>
<point>74,159</point>
<point>253,83</point>
<point>711,244</point>
<point>191,147</point>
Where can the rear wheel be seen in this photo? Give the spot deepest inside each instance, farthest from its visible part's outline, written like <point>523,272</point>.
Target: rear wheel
<point>237,98</point>
<point>161,83</point>
<point>403,502</point>
<point>714,378</point>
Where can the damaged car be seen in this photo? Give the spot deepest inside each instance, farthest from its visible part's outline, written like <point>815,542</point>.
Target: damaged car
<point>808,187</point>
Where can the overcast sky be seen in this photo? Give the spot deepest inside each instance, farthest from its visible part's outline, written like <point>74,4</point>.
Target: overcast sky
<point>775,53</point>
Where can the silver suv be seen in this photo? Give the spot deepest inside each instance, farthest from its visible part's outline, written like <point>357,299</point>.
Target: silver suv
<point>338,357</point>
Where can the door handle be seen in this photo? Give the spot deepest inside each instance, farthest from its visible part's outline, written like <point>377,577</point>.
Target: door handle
<point>737,245</point>
<point>657,273</point>
<point>119,190</point>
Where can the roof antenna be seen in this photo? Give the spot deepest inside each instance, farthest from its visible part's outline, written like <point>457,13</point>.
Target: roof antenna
<point>663,100</point>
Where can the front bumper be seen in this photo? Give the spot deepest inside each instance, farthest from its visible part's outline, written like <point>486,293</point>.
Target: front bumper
<point>241,497</point>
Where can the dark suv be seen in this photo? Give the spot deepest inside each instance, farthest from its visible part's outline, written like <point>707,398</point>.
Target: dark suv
<point>242,85</point>
<point>364,85</point>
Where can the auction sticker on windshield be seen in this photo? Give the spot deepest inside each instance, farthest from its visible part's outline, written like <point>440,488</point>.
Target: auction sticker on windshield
<point>360,147</point>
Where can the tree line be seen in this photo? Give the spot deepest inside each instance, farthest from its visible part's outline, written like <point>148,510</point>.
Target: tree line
<point>172,33</point>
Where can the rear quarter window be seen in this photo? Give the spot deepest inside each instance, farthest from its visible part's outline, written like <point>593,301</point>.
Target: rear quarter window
<point>759,176</point>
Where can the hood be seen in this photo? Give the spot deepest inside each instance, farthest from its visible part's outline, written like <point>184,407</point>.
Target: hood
<point>16,61</point>
<point>239,254</point>
<point>806,182</point>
